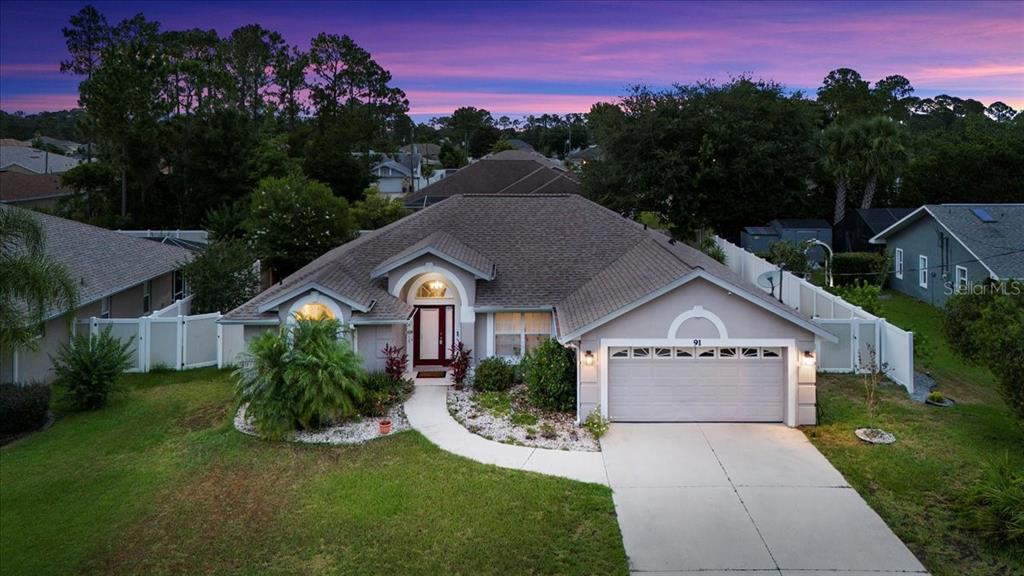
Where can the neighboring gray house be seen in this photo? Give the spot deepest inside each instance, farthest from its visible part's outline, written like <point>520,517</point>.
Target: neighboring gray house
<point>118,277</point>
<point>939,249</point>
<point>661,331</point>
<point>581,156</point>
<point>759,239</point>
<point>32,161</point>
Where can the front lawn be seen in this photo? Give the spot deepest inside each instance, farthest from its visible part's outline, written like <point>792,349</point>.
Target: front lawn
<point>160,483</point>
<point>917,484</point>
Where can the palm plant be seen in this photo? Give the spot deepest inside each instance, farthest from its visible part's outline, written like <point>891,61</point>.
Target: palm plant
<point>299,377</point>
<point>839,149</point>
<point>883,154</point>
<point>32,283</point>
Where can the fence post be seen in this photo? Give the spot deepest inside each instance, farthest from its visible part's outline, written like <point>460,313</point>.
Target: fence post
<point>143,346</point>
<point>180,333</point>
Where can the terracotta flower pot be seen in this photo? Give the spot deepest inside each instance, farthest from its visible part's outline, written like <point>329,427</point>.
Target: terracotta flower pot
<point>385,427</point>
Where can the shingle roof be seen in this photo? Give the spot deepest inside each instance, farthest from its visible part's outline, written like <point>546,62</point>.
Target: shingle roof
<point>445,245</point>
<point>803,223</point>
<point>878,219</point>
<point>34,160</point>
<point>559,251</point>
<point>18,187</point>
<point>999,244</point>
<point>507,172</point>
<point>105,262</point>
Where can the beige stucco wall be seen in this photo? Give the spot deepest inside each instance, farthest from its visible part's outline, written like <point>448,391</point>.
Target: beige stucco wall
<point>742,319</point>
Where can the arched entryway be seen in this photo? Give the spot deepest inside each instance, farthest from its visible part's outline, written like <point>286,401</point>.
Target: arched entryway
<point>437,300</point>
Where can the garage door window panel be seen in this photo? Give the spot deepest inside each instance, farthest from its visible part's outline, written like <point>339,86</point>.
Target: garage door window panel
<point>726,352</point>
<point>705,352</point>
<point>619,352</point>
<point>684,353</point>
<point>771,352</point>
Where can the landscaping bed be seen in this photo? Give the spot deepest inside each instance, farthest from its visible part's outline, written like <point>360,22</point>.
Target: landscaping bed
<point>355,431</point>
<point>509,417</point>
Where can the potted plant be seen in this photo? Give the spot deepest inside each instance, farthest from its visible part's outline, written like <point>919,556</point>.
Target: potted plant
<point>384,426</point>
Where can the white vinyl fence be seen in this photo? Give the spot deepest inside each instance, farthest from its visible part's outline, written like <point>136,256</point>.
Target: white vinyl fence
<point>165,339</point>
<point>865,340</point>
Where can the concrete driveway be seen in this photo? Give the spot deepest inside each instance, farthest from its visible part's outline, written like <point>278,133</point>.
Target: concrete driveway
<point>753,497</point>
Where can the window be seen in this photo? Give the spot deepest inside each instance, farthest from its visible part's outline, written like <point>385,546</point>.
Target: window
<point>726,352</point>
<point>770,352</point>
<point>619,352</point>
<point>899,263</point>
<point>516,333</point>
<point>750,353</point>
<point>179,284</point>
<point>147,293</point>
<point>641,352</point>
<point>684,353</point>
<point>961,278</point>
<point>432,289</point>
<point>105,307</point>
<point>663,352</point>
<point>922,271</point>
<point>705,352</point>
<point>314,311</point>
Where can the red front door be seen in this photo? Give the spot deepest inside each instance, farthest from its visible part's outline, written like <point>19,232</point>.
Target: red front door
<point>432,326</point>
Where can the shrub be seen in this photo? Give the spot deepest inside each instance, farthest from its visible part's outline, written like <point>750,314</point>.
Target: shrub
<point>987,327</point>
<point>381,392</point>
<point>493,374</point>
<point>936,396</point>
<point>860,267</point>
<point>222,277</point>
<point>547,430</point>
<point>461,357</point>
<point>994,505</point>
<point>299,377</point>
<point>396,361</point>
<point>788,255</point>
<point>497,403</point>
<point>596,424</point>
<point>862,294</point>
<point>89,368</point>
<point>550,375</point>
<point>23,407</point>
<point>523,419</point>
<point>711,248</point>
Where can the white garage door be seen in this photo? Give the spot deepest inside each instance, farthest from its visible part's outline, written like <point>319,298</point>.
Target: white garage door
<point>676,384</point>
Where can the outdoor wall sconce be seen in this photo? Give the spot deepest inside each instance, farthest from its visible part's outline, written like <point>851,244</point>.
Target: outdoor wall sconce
<point>588,358</point>
<point>808,358</point>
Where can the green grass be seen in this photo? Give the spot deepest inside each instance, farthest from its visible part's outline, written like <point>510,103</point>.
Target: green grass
<point>160,483</point>
<point>497,403</point>
<point>918,484</point>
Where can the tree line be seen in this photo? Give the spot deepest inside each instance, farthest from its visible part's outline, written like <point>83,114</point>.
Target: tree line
<point>739,153</point>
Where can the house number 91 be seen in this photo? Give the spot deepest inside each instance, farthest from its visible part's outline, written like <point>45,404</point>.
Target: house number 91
<point>696,341</point>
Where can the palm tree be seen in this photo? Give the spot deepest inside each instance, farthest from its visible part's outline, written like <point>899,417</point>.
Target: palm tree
<point>32,283</point>
<point>883,154</point>
<point>839,150</point>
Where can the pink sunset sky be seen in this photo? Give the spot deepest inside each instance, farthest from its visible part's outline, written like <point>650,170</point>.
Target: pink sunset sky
<point>520,58</point>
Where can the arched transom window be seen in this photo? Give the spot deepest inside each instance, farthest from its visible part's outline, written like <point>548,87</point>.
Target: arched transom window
<point>432,289</point>
<point>314,311</point>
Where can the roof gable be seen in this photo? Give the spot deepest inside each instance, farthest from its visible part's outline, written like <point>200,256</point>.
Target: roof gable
<point>445,247</point>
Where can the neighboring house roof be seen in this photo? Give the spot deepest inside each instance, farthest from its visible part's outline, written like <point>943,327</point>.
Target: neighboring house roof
<point>992,233</point>
<point>102,261</point>
<point>790,223</point>
<point>878,219</point>
<point>18,187</point>
<point>68,146</point>
<point>403,171</point>
<point>592,152</point>
<point>761,231</point>
<point>508,172</point>
<point>519,144</point>
<point>33,160</point>
<point>431,151</point>
<point>546,251</point>
<point>13,142</point>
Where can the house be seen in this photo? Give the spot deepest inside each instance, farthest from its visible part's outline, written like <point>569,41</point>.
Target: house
<point>855,231</point>
<point>34,191</point>
<point>661,331</point>
<point>507,172</point>
<point>581,156</point>
<point>400,174</point>
<point>431,153</point>
<point>519,144</point>
<point>938,250</point>
<point>759,239</point>
<point>118,277</point>
<point>32,161</point>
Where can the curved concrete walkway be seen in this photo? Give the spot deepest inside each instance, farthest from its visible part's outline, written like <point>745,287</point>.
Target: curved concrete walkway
<point>427,411</point>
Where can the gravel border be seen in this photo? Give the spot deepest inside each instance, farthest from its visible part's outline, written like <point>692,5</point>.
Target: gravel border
<point>482,422</point>
<point>351,432</point>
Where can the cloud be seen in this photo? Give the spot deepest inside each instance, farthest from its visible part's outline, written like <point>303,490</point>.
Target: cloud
<point>31,103</point>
